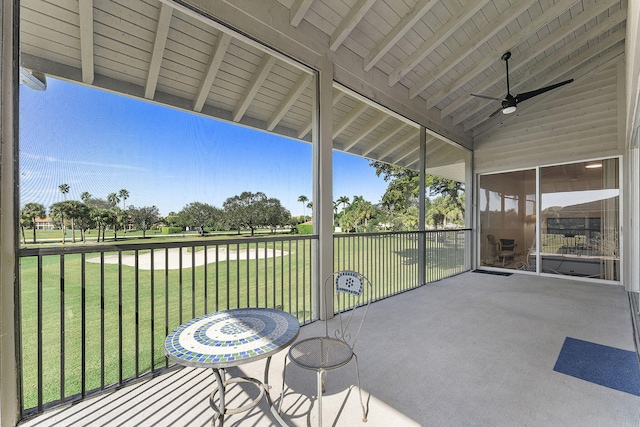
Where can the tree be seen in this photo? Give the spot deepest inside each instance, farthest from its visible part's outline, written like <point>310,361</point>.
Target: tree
<point>200,215</point>
<point>303,199</point>
<point>58,214</point>
<point>28,216</point>
<point>275,214</point>
<point>124,195</point>
<point>404,187</point>
<point>64,189</point>
<point>113,200</point>
<point>85,197</point>
<point>248,210</point>
<point>74,209</point>
<point>101,219</point>
<point>144,217</point>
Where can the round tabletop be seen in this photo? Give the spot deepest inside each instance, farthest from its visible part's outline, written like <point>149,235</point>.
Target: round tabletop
<point>231,337</point>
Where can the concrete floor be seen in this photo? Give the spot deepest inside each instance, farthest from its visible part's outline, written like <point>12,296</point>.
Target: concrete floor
<point>471,350</point>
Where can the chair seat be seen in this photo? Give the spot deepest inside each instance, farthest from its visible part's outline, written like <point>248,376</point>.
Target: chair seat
<point>320,353</point>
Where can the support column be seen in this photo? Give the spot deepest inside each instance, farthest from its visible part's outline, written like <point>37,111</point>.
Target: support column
<point>9,409</point>
<point>323,186</point>
<point>422,215</point>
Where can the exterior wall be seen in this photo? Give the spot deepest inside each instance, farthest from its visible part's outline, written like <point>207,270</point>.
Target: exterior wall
<point>577,122</point>
<point>584,120</point>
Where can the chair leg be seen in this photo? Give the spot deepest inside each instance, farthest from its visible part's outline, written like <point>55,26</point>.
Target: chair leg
<point>320,391</point>
<point>364,412</point>
<point>284,370</point>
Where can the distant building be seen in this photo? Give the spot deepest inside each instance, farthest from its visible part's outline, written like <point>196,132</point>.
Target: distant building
<point>44,223</point>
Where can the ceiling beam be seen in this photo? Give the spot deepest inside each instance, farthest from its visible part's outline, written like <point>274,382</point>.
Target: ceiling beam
<point>530,53</point>
<point>366,130</point>
<point>409,20</point>
<point>527,31</point>
<point>553,59</point>
<point>399,144</point>
<point>356,13</point>
<point>292,96</point>
<point>298,10</point>
<point>573,64</point>
<point>436,39</point>
<point>259,76</point>
<point>502,20</point>
<point>348,119</point>
<point>164,21</point>
<point>219,51</point>
<point>404,154</point>
<point>384,138</point>
<point>85,13</point>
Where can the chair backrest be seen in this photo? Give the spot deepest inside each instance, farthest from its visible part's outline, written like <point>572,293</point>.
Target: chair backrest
<point>507,244</point>
<point>350,288</point>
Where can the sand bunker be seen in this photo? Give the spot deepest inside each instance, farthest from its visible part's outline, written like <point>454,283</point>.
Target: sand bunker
<point>161,257</point>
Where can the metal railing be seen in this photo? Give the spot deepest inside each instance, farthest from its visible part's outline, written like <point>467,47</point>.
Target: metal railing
<point>95,317</point>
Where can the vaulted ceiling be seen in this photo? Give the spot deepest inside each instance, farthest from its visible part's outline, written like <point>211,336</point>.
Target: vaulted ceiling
<point>429,53</point>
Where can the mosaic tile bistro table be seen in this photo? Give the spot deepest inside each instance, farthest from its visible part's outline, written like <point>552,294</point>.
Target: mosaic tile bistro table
<point>230,338</point>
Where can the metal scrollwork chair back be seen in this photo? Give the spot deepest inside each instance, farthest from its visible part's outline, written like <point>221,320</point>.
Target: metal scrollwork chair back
<point>335,349</point>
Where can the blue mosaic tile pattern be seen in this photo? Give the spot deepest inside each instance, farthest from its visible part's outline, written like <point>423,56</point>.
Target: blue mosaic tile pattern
<point>231,337</point>
<point>350,282</point>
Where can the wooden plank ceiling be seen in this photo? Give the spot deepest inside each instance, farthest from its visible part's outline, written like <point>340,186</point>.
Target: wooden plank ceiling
<point>440,51</point>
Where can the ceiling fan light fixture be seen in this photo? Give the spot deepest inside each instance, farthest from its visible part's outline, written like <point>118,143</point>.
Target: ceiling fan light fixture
<point>508,110</point>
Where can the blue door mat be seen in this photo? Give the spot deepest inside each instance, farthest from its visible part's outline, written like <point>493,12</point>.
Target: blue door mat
<point>600,364</point>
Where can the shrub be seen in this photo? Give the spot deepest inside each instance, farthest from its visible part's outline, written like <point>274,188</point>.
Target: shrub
<point>305,229</point>
<point>171,230</point>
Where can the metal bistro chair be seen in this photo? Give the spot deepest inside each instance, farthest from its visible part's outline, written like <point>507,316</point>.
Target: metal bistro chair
<point>327,352</point>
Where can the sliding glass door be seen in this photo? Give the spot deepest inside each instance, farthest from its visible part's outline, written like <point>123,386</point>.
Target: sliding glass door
<point>578,219</point>
<point>507,204</point>
<point>580,224</point>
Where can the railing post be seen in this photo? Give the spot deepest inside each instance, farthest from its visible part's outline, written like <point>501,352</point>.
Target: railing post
<point>422,241</point>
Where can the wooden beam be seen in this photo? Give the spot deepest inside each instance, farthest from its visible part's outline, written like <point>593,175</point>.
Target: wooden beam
<point>85,13</point>
<point>367,129</point>
<point>164,20</point>
<point>261,73</point>
<point>436,39</point>
<point>553,59</point>
<point>408,137</point>
<point>530,53</point>
<point>219,51</point>
<point>384,138</point>
<point>291,97</point>
<point>347,120</point>
<point>467,48</point>
<point>527,31</point>
<point>298,10</point>
<point>350,21</point>
<point>409,20</point>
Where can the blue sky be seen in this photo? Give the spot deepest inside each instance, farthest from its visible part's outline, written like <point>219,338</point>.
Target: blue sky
<point>100,142</point>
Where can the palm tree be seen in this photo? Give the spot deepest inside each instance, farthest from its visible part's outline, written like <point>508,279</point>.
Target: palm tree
<point>124,195</point>
<point>343,200</point>
<point>28,216</point>
<point>85,197</point>
<point>303,199</point>
<point>113,199</point>
<point>64,189</point>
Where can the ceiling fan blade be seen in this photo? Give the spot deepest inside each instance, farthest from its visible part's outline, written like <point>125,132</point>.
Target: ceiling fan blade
<point>486,96</point>
<point>524,96</point>
<point>495,112</point>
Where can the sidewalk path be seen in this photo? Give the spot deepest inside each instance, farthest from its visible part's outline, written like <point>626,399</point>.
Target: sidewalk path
<point>160,257</point>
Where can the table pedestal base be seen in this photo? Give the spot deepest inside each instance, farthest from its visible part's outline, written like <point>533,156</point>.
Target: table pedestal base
<point>218,395</point>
